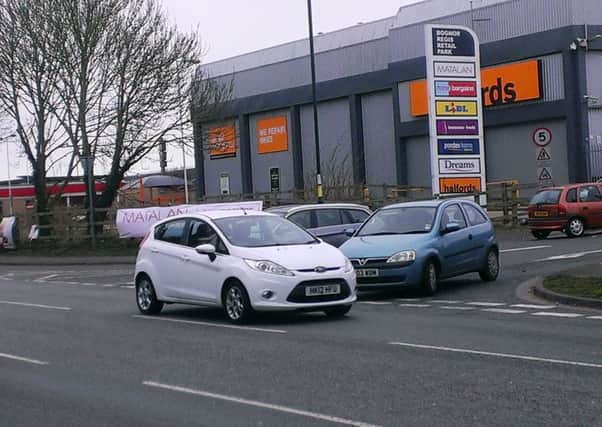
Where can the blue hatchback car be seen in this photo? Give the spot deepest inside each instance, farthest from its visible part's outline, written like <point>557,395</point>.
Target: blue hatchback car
<point>419,243</point>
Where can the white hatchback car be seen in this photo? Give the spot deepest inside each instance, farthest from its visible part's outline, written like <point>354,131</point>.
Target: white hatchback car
<point>242,261</point>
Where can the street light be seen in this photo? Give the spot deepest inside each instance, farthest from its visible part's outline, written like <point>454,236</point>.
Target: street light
<point>190,62</point>
<point>10,187</point>
<point>314,102</point>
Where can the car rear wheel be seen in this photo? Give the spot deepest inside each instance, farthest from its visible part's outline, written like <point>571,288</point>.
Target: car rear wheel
<point>430,278</point>
<point>575,227</point>
<point>237,305</point>
<point>540,234</point>
<point>337,311</point>
<point>491,271</point>
<point>146,298</point>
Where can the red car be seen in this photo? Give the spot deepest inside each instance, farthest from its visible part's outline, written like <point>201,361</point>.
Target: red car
<point>571,209</point>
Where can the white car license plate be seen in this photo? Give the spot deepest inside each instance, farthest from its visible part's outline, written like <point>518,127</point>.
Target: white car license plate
<point>312,291</point>
<point>367,272</point>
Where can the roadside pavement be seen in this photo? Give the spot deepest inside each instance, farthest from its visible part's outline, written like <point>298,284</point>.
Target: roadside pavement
<point>14,259</point>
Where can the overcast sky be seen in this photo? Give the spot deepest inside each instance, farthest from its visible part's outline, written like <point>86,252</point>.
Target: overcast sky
<point>233,27</point>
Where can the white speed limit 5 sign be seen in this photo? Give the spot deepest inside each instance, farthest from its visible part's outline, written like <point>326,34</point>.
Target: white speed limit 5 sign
<point>542,137</point>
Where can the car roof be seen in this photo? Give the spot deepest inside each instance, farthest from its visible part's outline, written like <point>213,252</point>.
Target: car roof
<point>218,214</point>
<point>423,203</point>
<point>293,208</point>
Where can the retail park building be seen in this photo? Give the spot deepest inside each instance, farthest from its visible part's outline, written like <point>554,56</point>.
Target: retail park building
<point>541,65</point>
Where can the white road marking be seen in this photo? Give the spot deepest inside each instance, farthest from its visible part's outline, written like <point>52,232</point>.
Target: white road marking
<point>415,305</point>
<point>445,301</point>
<point>486,304</point>
<point>215,325</point>
<point>88,284</point>
<point>45,278</point>
<point>25,304</point>
<point>448,307</point>
<point>534,306</point>
<point>569,256</point>
<point>408,299</point>
<point>556,314</point>
<point>528,248</point>
<point>127,287</point>
<point>258,404</point>
<point>502,355</point>
<point>503,310</point>
<point>23,359</point>
<point>109,286</point>
<point>594,317</point>
<point>374,302</point>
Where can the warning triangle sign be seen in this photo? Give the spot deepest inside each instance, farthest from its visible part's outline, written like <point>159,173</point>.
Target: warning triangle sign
<point>543,155</point>
<point>545,175</point>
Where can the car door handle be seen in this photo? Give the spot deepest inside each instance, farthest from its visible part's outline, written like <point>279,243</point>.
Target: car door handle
<point>585,208</point>
<point>185,258</point>
<point>470,237</point>
<point>155,250</point>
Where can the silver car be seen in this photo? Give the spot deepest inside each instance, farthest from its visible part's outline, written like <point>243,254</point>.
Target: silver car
<point>328,221</point>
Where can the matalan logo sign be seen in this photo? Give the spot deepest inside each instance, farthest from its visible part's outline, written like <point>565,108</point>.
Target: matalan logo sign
<point>455,69</point>
<point>459,165</point>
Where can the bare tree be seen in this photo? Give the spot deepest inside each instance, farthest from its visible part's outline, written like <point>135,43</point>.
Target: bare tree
<point>132,79</point>
<point>28,76</point>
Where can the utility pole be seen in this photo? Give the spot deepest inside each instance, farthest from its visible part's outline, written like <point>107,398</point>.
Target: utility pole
<point>10,186</point>
<point>312,55</point>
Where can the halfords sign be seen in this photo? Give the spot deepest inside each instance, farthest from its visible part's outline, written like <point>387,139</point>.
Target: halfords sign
<point>137,222</point>
<point>459,165</point>
<point>502,84</point>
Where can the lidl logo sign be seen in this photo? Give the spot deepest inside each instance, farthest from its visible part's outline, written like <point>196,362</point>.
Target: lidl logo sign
<point>456,108</point>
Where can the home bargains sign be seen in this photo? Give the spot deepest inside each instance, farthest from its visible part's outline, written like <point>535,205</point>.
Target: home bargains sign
<point>455,110</point>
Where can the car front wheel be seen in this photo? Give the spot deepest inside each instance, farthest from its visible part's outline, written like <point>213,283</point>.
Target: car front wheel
<point>430,279</point>
<point>491,271</point>
<point>337,311</point>
<point>146,298</point>
<point>575,227</point>
<point>237,305</point>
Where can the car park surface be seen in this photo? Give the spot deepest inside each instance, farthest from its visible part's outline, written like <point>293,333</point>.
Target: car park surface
<point>243,262</point>
<point>419,243</point>
<point>477,354</point>
<point>328,221</point>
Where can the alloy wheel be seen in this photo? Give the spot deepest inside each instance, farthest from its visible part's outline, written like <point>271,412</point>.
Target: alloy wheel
<point>235,305</point>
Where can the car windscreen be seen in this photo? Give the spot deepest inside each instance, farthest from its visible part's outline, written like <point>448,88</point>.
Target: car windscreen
<point>401,220</point>
<point>262,231</point>
<point>546,197</point>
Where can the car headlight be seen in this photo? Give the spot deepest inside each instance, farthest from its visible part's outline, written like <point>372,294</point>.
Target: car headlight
<point>348,266</point>
<point>268,267</point>
<point>402,257</point>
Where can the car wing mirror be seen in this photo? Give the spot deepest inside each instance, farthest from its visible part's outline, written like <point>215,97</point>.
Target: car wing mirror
<point>451,227</point>
<point>206,249</point>
<point>349,232</point>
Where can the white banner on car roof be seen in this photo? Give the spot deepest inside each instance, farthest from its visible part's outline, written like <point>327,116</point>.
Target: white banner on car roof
<point>137,222</point>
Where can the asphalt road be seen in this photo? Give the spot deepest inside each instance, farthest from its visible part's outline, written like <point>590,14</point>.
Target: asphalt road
<point>73,351</point>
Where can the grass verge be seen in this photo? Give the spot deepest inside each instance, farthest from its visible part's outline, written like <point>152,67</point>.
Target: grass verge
<point>585,287</point>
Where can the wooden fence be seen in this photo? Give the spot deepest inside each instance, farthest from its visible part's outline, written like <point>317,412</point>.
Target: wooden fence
<point>506,204</point>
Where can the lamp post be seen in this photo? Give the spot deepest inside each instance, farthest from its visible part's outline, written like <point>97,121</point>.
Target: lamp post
<point>191,62</point>
<point>314,103</point>
<point>10,187</point>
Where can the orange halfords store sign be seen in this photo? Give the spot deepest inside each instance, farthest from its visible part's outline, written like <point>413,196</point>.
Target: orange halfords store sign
<point>503,84</point>
<point>272,135</point>
<point>222,141</point>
